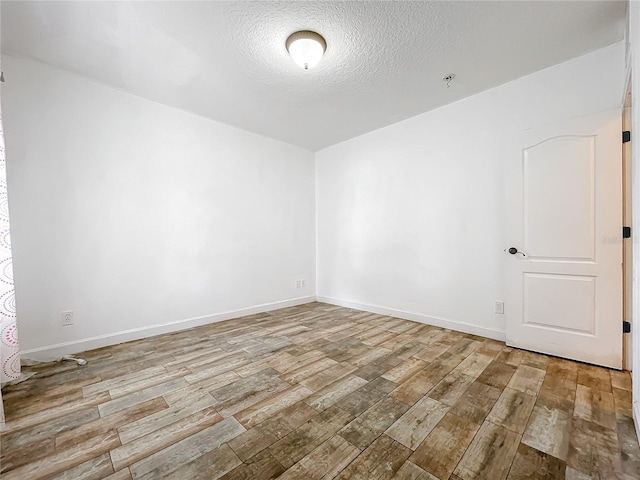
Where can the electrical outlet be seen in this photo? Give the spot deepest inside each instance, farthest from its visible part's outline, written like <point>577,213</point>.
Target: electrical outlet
<point>499,307</point>
<point>303,284</point>
<point>67,318</point>
<point>297,283</point>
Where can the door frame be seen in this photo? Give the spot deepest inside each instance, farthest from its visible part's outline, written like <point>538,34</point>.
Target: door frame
<point>627,220</point>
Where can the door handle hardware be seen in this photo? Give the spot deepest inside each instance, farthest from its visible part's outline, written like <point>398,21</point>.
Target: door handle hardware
<point>514,251</point>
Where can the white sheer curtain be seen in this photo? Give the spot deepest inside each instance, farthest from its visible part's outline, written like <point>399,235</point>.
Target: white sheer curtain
<point>9,351</point>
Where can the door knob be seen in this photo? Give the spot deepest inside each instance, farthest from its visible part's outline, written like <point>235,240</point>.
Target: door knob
<point>514,251</point>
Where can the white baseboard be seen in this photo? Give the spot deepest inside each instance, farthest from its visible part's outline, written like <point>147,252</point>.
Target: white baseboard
<point>53,352</point>
<point>465,327</point>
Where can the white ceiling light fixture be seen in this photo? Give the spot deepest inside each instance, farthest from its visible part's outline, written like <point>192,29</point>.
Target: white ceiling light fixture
<point>306,48</point>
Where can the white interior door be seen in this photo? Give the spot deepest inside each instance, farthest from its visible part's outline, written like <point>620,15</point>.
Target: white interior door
<point>564,286</point>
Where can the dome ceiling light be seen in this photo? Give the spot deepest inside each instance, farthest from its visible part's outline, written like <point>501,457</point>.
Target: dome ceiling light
<point>306,48</point>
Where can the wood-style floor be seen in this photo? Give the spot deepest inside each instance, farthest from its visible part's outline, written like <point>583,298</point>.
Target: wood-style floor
<point>320,392</point>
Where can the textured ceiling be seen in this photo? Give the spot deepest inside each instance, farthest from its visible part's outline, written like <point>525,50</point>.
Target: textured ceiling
<point>384,61</point>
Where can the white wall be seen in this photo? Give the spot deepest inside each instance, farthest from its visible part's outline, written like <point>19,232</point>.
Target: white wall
<point>411,218</point>
<point>142,218</point>
<point>134,215</point>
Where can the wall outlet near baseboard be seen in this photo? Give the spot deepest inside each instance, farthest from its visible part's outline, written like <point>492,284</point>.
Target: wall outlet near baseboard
<point>301,284</point>
<point>67,318</point>
<point>499,307</point>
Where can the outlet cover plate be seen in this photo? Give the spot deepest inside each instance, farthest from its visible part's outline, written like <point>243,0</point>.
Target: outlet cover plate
<point>67,318</point>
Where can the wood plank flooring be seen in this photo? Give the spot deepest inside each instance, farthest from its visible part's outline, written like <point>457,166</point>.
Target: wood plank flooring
<point>319,392</point>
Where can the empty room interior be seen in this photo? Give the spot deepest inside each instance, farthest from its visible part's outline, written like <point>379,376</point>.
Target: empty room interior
<point>319,239</point>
